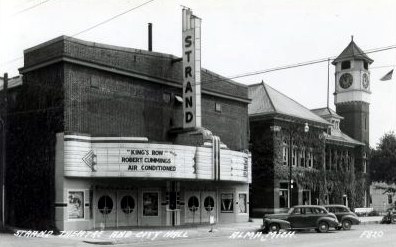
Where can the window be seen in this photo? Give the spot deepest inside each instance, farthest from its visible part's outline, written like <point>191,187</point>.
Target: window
<point>94,82</point>
<point>75,205</point>
<point>217,107</point>
<point>283,195</point>
<point>331,210</point>
<point>364,162</point>
<point>285,152</point>
<point>227,203</point>
<point>302,157</point>
<point>318,211</point>
<point>150,204</point>
<point>327,159</point>
<point>105,204</point>
<point>335,159</point>
<point>166,97</point>
<point>390,199</point>
<point>127,204</point>
<point>294,156</point>
<point>342,210</point>
<point>365,65</point>
<point>298,211</point>
<point>346,65</point>
<point>209,203</point>
<point>193,204</point>
<point>242,203</point>
<point>347,161</point>
<point>310,158</point>
<point>306,196</point>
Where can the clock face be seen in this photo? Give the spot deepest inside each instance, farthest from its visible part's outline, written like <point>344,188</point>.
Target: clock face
<point>366,81</point>
<point>346,80</point>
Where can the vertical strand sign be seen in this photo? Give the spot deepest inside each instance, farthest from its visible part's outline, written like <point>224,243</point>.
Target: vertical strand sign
<point>191,70</point>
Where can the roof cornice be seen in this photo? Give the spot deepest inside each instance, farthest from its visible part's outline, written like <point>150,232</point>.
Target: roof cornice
<point>98,66</point>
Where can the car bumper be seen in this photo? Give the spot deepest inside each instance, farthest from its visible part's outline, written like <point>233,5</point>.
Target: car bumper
<point>335,224</point>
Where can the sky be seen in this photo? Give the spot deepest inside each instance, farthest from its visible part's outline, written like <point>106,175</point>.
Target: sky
<point>238,37</point>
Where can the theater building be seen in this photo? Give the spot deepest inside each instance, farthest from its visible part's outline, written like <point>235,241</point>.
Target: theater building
<point>107,136</point>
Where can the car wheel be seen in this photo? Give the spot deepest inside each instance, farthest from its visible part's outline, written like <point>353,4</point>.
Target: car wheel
<point>323,227</point>
<point>346,224</point>
<point>274,228</point>
<point>393,219</point>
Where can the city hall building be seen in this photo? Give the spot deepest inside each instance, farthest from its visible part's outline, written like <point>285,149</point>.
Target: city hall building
<point>107,136</point>
<point>319,156</point>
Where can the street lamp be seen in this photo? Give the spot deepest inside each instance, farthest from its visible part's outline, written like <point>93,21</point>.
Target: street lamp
<point>290,155</point>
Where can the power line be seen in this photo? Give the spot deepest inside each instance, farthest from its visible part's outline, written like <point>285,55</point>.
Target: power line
<point>384,66</point>
<point>112,18</point>
<point>90,28</point>
<point>29,8</point>
<point>290,66</point>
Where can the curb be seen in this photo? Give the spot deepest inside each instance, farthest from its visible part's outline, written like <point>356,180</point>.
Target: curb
<point>99,242</point>
<point>370,222</point>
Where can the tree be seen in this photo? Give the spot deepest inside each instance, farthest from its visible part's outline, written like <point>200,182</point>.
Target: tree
<point>383,160</point>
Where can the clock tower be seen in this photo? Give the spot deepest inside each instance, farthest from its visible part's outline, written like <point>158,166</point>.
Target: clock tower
<point>352,91</point>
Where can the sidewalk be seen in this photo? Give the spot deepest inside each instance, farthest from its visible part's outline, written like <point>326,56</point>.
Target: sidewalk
<point>159,234</point>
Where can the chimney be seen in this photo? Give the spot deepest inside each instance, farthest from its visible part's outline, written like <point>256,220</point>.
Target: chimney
<point>150,37</point>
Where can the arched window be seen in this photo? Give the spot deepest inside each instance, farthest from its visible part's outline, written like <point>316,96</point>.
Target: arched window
<point>105,204</point>
<point>127,204</point>
<point>209,203</point>
<point>193,204</point>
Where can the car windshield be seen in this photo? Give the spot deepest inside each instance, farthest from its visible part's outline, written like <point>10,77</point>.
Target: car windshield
<point>290,210</point>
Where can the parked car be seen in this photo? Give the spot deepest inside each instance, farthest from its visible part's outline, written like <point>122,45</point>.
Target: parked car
<point>390,216</point>
<point>346,217</point>
<point>301,217</point>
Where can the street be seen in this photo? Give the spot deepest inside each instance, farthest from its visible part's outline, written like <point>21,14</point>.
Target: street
<point>362,235</point>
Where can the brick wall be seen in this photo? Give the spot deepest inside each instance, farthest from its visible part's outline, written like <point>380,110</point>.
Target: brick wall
<point>34,119</point>
<point>103,104</point>
<point>152,64</point>
<point>356,120</point>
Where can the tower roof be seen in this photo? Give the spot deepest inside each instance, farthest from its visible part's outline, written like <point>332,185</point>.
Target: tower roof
<point>352,51</point>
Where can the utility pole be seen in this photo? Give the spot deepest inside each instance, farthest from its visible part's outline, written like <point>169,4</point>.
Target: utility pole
<point>3,120</point>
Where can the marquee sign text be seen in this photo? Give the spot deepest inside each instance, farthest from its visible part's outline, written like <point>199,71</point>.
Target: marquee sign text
<point>148,160</point>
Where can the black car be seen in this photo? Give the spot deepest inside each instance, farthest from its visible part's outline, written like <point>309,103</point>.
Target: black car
<point>345,216</point>
<point>390,216</point>
<point>301,217</point>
